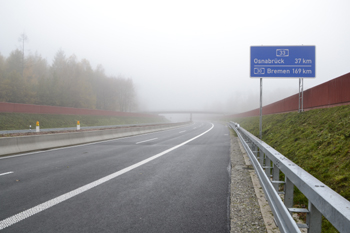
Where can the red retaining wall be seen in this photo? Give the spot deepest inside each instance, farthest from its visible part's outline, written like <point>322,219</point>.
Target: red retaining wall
<point>332,93</point>
<point>43,109</point>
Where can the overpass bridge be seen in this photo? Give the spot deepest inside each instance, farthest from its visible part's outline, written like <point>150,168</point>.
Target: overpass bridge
<point>190,112</point>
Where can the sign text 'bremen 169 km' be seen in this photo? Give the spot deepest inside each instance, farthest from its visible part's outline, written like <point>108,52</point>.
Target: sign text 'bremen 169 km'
<point>282,61</point>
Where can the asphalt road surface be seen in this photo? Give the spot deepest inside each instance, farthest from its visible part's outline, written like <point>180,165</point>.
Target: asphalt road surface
<point>170,181</point>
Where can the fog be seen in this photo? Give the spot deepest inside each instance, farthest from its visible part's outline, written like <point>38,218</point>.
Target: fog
<point>184,55</point>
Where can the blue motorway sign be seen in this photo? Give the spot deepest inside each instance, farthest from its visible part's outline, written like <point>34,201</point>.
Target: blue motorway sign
<point>282,61</point>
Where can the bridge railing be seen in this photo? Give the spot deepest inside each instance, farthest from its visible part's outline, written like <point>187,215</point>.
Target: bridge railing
<point>322,200</point>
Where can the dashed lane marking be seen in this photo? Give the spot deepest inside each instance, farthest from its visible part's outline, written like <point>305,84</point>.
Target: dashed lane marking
<point>6,173</point>
<point>46,205</point>
<point>146,140</point>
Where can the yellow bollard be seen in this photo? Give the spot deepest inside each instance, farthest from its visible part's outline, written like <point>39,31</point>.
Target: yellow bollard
<point>37,127</point>
<point>78,125</point>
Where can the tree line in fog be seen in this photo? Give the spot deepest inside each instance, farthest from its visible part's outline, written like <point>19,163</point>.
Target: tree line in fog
<point>67,82</point>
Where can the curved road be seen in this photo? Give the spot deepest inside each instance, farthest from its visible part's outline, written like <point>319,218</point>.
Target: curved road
<point>170,181</point>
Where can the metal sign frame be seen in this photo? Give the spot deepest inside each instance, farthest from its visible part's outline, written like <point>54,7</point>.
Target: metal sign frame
<point>283,62</point>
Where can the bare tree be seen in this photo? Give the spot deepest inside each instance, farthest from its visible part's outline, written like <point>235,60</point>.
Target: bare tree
<point>23,38</point>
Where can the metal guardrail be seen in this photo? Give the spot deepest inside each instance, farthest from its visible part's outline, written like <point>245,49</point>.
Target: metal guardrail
<point>322,200</point>
<point>75,128</point>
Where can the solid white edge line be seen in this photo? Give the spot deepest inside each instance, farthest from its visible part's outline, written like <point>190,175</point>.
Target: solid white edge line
<point>146,140</point>
<point>85,144</point>
<point>48,204</point>
<point>6,173</point>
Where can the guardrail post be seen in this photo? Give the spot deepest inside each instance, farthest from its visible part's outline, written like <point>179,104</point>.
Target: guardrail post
<point>275,176</point>
<point>288,193</point>
<point>255,151</point>
<point>268,167</point>
<point>314,219</point>
<point>250,144</point>
<point>261,157</point>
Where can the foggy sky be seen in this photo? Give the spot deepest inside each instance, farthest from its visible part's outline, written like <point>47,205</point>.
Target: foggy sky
<point>184,55</point>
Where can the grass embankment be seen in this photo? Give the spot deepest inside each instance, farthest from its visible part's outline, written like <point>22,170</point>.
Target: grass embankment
<point>13,121</point>
<point>317,140</point>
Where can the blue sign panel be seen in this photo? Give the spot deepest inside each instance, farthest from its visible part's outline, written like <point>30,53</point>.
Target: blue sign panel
<point>282,61</point>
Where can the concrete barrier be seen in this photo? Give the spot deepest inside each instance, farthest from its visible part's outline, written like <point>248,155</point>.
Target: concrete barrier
<point>15,145</point>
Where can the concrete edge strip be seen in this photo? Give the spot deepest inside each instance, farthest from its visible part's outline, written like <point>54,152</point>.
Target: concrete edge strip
<point>48,204</point>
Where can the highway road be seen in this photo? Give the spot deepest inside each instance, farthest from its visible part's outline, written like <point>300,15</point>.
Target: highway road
<point>169,181</point>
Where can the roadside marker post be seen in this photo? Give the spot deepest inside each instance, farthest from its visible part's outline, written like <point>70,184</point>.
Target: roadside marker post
<point>37,127</point>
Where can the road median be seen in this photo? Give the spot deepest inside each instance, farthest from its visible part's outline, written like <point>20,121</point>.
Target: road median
<point>22,144</point>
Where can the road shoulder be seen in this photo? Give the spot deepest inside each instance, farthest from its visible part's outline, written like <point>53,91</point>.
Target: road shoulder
<point>249,210</point>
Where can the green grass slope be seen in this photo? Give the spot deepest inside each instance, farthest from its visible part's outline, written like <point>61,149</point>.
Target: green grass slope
<point>317,140</point>
<point>13,121</point>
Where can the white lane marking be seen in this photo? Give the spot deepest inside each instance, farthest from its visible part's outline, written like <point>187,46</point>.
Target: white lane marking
<point>195,128</point>
<point>85,144</point>
<point>182,131</point>
<point>36,209</point>
<point>6,173</point>
<point>146,140</point>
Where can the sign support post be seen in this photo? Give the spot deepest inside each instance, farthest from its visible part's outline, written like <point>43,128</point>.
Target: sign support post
<point>301,95</point>
<point>260,122</point>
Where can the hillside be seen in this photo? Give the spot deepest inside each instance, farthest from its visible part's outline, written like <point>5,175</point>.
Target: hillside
<point>317,140</point>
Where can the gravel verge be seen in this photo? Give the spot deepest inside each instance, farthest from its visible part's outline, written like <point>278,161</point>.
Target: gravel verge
<point>249,210</point>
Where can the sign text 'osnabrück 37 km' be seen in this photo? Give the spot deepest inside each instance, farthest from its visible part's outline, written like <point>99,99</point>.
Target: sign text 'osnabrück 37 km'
<point>282,61</point>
